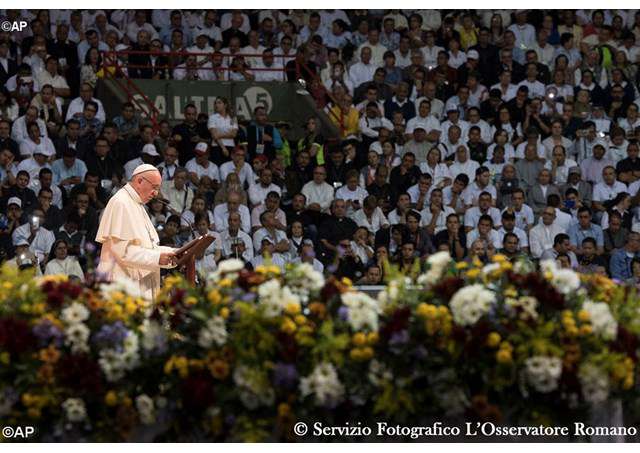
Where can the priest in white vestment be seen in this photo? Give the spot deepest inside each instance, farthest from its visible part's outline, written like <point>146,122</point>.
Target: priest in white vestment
<point>129,240</point>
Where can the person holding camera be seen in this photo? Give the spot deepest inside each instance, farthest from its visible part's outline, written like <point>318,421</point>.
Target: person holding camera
<point>24,258</point>
<point>39,238</point>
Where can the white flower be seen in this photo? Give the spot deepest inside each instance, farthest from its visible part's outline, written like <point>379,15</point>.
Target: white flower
<point>153,335</point>
<point>470,303</point>
<point>123,285</point>
<point>74,409</point>
<point>214,331</point>
<point>437,265</point>
<point>274,298</point>
<point>594,382</point>
<point>363,310</point>
<point>231,265</point>
<point>565,281</point>
<point>453,400</point>
<point>75,313</point>
<point>603,322</point>
<point>543,373</point>
<point>254,387</point>
<point>324,384</point>
<point>114,363</point>
<point>76,336</point>
<point>378,373</point>
<point>527,306</point>
<point>146,409</point>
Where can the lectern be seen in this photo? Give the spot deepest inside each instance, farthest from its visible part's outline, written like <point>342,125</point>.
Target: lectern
<point>187,255</point>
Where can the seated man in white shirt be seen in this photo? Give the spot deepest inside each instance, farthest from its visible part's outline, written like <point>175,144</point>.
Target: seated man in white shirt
<point>222,211</point>
<point>318,193</point>
<point>235,242</point>
<point>370,216</point>
<point>481,184</point>
<point>509,226</point>
<point>268,252</point>
<point>605,191</point>
<point>238,165</point>
<point>258,191</point>
<point>177,192</point>
<point>485,206</point>
<point>307,255</point>
<point>485,231</point>
<point>542,236</point>
<point>271,204</point>
<point>200,166</point>
<point>269,230</point>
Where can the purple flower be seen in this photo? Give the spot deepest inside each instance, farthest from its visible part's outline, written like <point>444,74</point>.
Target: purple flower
<point>285,375</point>
<point>343,313</point>
<point>399,338</point>
<point>111,335</point>
<point>248,297</point>
<point>47,332</point>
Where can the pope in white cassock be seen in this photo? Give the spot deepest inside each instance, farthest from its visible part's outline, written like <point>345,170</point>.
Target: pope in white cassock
<point>129,240</point>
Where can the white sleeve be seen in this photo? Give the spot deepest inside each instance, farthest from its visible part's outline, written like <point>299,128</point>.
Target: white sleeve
<point>133,255</point>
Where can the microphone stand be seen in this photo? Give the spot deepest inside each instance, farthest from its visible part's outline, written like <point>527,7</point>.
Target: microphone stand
<point>166,203</point>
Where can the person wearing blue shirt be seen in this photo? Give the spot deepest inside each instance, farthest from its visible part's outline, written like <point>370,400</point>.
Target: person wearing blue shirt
<point>583,229</point>
<point>69,170</point>
<point>620,262</point>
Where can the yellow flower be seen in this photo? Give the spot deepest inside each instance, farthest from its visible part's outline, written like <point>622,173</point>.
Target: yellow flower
<point>499,258</point>
<point>510,292</point>
<point>39,308</point>
<point>584,316</point>
<point>34,412</point>
<point>506,266</point>
<point>367,353</point>
<point>628,382</point>
<point>477,262</point>
<point>214,297</point>
<point>346,281</point>
<point>300,319</point>
<point>49,355</point>
<point>619,371</point>
<point>493,340</point>
<point>273,269</point>
<point>7,285</point>
<point>427,311</point>
<point>506,345</point>
<point>504,356</point>
<point>225,283</point>
<point>5,358</point>
<point>191,300</point>
<point>292,308</point>
<point>111,398</point>
<point>283,409</point>
<point>261,269</point>
<point>359,339</point>
<point>219,369</point>
<point>586,329</point>
<point>462,265</point>
<point>572,331</point>
<point>473,273</point>
<point>224,312</point>
<point>288,326</point>
<point>372,338</point>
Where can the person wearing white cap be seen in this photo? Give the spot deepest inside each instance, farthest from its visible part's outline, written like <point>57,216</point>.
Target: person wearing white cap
<point>130,243</point>
<point>35,163</point>
<point>24,258</point>
<point>149,153</point>
<point>201,166</point>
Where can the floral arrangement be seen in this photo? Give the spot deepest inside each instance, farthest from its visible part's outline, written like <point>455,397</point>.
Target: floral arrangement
<point>249,354</point>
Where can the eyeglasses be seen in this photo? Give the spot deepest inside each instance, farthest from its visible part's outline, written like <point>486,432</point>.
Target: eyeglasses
<point>154,186</point>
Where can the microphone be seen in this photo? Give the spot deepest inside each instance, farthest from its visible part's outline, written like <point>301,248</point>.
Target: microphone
<point>166,202</point>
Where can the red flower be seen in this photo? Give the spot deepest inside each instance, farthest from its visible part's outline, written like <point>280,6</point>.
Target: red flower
<point>55,299</point>
<point>81,374</point>
<point>70,289</point>
<point>446,288</point>
<point>625,342</point>
<point>15,336</point>
<point>288,348</point>
<point>197,391</point>
<point>329,290</point>
<point>398,321</point>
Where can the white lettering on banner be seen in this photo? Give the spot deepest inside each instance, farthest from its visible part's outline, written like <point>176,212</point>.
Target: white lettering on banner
<point>244,105</point>
<point>258,96</point>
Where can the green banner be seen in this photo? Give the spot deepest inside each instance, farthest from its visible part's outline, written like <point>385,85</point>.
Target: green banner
<point>283,101</point>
